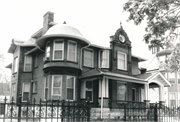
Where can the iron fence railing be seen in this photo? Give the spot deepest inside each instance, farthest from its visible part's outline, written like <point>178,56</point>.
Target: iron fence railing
<point>145,111</point>
<point>46,111</point>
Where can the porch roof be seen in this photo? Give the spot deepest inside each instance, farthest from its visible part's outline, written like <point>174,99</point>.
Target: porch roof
<point>98,72</point>
<point>155,77</point>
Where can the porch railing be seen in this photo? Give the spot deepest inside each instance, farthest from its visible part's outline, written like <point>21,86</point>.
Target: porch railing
<point>45,111</point>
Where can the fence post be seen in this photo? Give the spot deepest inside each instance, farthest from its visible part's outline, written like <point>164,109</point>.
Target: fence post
<point>124,111</point>
<point>19,110</point>
<point>88,109</point>
<point>155,113</point>
<point>4,109</point>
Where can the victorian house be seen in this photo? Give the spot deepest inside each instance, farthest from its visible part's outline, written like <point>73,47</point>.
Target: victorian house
<point>58,62</point>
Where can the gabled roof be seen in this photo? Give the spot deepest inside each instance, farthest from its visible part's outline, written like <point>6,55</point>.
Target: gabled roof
<point>155,76</point>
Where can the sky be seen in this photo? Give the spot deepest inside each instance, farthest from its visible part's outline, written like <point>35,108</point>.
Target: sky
<point>96,19</point>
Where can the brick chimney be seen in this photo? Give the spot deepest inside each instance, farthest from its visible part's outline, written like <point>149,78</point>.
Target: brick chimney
<point>48,17</point>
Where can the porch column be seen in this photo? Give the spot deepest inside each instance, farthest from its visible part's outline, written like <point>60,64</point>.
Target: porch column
<point>161,93</point>
<point>146,91</point>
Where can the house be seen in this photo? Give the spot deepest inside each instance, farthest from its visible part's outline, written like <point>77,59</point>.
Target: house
<point>58,62</point>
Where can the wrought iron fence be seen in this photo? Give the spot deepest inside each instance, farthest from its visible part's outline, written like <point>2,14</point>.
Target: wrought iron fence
<point>145,111</point>
<point>45,111</point>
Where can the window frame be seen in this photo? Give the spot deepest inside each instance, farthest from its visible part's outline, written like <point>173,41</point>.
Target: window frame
<point>175,95</point>
<point>58,40</point>
<point>91,59</point>
<point>135,98</point>
<point>13,91</point>
<point>178,80</point>
<point>70,41</point>
<point>59,95</point>
<point>120,82</point>
<point>125,60</point>
<point>73,87</point>
<point>25,63</point>
<point>103,59</point>
<point>24,91</point>
<point>170,77</point>
<point>179,98</point>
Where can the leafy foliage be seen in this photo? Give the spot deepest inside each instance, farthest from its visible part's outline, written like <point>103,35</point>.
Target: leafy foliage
<point>162,18</point>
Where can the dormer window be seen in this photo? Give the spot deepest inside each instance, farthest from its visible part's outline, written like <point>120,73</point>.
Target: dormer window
<point>104,59</point>
<point>58,52</point>
<point>121,61</point>
<point>72,51</point>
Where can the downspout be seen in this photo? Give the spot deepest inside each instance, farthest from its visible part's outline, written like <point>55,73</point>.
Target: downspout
<point>82,55</point>
<point>101,98</point>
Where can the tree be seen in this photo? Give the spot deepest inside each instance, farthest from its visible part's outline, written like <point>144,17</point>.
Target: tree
<point>163,20</point>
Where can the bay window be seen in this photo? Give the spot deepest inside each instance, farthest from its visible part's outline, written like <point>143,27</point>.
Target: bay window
<point>56,87</point>
<point>104,59</point>
<point>70,86</point>
<point>25,92</point>
<point>27,63</point>
<point>88,58</point>
<point>72,51</point>
<point>121,61</point>
<point>58,52</point>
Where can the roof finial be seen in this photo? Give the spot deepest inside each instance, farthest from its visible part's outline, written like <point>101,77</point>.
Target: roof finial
<point>64,22</point>
<point>120,24</point>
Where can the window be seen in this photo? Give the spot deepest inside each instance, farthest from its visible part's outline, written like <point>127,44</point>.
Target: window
<point>25,91</point>
<point>56,87</point>
<point>34,86</point>
<point>89,90</point>
<point>172,98</point>
<point>88,58</point>
<point>27,63</point>
<point>46,85</point>
<point>72,53</point>
<point>104,59</point>
<point>121,61</point>
<point>70,83</point>
<point>58,52</point>
<point>172,77</point>
<point>15,66</point>
<point>179,98</point>
<point>36,61</point>
<point>48,50</point>
<point>121,91</point>
<point>178,78</point>
<point>13,90</point>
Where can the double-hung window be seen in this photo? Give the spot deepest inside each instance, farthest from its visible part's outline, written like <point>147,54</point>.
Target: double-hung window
<point>26,91</point>
<point>121,91</point>
<point>172,77</point>
<point>72,51</point>
<point>58,52</point>
<point>15,66</point>
<point>13,90</point>
<point>121,61</point>
<point>88,58</point>
<point>172,98</point>
<point>70,86</point>
<point>48,49</point>
<point>89,90</point>
<point>104,58</point>
<point>46,86</point>
<point>27,63</point>
<point>56,87</point>
<point>34,86</point>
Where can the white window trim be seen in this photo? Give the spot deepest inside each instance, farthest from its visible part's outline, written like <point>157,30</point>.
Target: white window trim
<point>25,57</point>
<point>15,65</point>
<point>100,59</point>
<point>118,52</point>
<point>23,91</point>
<point>73,87</point>
<point>45,79</point>
<point>52,87</point>
<point>75,50</point>
<point>89,90</point>
<point>92,57</point>
<point>58,40</point>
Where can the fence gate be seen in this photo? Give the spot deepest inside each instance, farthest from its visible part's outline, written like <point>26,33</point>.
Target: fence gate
<point>44,111</point>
